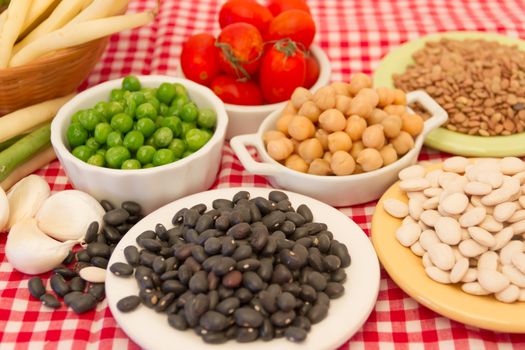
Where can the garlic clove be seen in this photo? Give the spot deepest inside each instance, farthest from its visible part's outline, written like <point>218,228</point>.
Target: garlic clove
<point>26,197</point>
<point>4,210</point>
<point>31,251</point>
<point>67,214</point>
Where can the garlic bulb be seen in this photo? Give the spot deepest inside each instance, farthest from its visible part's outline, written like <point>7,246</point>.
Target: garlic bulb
<point>26,197</point>
<point>67,215</point>
<point>4,210</point>
<point>31,251</point>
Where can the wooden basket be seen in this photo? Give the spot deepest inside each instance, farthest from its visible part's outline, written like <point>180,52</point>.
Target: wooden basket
<point>48,77</point>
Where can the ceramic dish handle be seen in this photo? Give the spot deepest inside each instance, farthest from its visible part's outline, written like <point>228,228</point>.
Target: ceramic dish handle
<point>239,144</point>
<point>438,115</point>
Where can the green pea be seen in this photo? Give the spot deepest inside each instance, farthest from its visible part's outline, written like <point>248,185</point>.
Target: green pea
<point>115,107</point>
<point>101,151</point>
<point>166,93</point>
<point>180,90</point>
<point>187,127</point>
<point>178,147</point>
<point>116,95</point>
<point>163,156</point>
<point>187,154</point>
<point>83,152</point>
<point>122,122</point>
<point>176,106</point>
<point>145,154</point>
<point>115,156</point>
<point>133,140</point>
<point>130,164</point>
<point>174,124</point>
<point>146,110</point>
<point>130,107</point>
<point>189,112</point>
<point>150,141</point>
<point>131,83</point>
<point>75,118</point>
<point>164,109</point>
<point>146,126</point>
<point>102,131</point>
<point>97,160</point>
<point>92,143</point>
<point>154,102</point>
<point>207,118</point>
<point>90,119</point>
<point>149,92</point>
<point>114,139</point>
<point>149,165</point>
<point>102,108</point>
<point>196,138</point>
<point>163,137</point>
<point>76,135</point>
<point>138,97</point>
<point>158,121</point>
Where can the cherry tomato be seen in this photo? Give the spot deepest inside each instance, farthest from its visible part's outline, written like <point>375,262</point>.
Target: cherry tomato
<point>231,90</point>
<point>240,46</point>
<point>200,58</point>
<point>283,69</point>
<point>297,25</point>
<point>247,11</point>
<point>278,6</point>
<point>312,71</point>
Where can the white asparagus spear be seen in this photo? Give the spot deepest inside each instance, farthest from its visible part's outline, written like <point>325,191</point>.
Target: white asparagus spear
<point>16,15</point>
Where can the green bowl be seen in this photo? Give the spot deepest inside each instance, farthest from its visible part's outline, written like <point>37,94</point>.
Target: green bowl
<point>443,139</point>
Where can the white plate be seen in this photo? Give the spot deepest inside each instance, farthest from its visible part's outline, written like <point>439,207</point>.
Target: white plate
<point>346,314</point>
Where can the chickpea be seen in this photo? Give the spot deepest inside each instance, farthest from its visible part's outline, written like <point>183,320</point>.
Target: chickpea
<point>370,95</point>
<point>283,122</point>
<point>358,169</point>
<point>332,120</point>
<point>319,167</point>
<point>339,141</point>
<point>400,98</point>
<point>374,137</point>
<point>280,149</point>
<point>355,125</point>
<point>359,81</point>
<point>295,144</point>
<point>289,109</point>
<point>340,88</point>
<point>364,103</point>
<point>301,128</point>
<point>386,96</point>
<point>327,156</point>
<point>376,117</point>
<point>342,103</point>
<point>272,135</point>
<point>395,109</point>
<point>322,136</point>
<point>310,110</point>
<point>310,149</point>
<point>300,96</point>
<point>324,98</point>
<point>357,147</point>
<point>370,159</point>
<point>392,126</point>
<point>342,163</point>
<point>412,123</point>
<point>389,154</point>
<point>295,162</point>
<point>402,143</point>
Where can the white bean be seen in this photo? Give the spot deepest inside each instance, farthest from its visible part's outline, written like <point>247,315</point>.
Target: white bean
<point>491,225</point>
<point>518,260</point>
<point>503,211</point>
<point>473,217</point>
<point>521,201</point>
<point>518,215</point>
<point>496,197</point>
<point>459,270</point>
<point>417,249</point>
<point>93,274</point>
<point>482,236</point>
<point>396,208</point>
<point>455,203</point>
<point>511,165</point>
<point>507,252</point>
<point>455,164</point>
<point>428,238</point>
<point>518,227</point>
<point>471,172</point>
<point>432,191</point>
<point>509,294</point>
<point>520,176</point>
<point>423,226</point>
<point>446,178</point>
<point>433,177</point>
<point>417,184</point>
<point>470,248</point>
<point>415,207</point>
<point>488,260</point>
<point>438,275</point>
<point>511,185</point>
<point>429,217</point>
<point>426,260</point>
<point>408,220</point>
<point>412,172</point>
<point>442,256</point>
<point>514,275</point>
<point>408,234</point>
<point>448,230</point>
<point>490,177</point>
<point>492,280</point>
<point>477,188</point>
<point>431,203</point>
<point>464,234</point>
<point>503,237</point>
<point>470,276</point>
<point>474,288</point>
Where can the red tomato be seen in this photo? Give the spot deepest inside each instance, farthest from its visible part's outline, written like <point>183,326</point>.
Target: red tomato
<point>297,25</point>
<point>312,71</point>
<point>200,58</point>
<point>241,46</point>
<point>236,92</point>
<point>283,69</point>
<point>278,6</point>
<point>247,11</point>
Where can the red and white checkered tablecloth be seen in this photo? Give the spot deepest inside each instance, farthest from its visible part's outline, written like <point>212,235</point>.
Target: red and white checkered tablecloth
<point>355,35</point>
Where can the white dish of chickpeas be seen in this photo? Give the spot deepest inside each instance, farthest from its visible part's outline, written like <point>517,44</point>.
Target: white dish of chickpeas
<point>343,144</point>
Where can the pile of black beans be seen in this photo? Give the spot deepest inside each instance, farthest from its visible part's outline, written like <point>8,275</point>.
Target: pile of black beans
<point>80,295</point>
<point>244,269</point>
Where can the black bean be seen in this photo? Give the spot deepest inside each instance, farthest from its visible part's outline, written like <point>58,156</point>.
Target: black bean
<point>232,279</point>
<point>281,274</point>
<point>116,216</point>
<point>179,216</point>
<point>77,284</point>
<point>131,253</point>
<point>151,244</point>
<point>322,242</point>
<point>194,308</point>
<point>223,222</point>
<point>183,251</point>
<point>204,222</point>
<point>241,195</point>
<point>282,318</point>
<point>255,213</point>
<point>97,290</point>
<point>69,258</point>
<point>166,252</point>
<point>121,269</point>
<point>274,289</point>
<point>317,313</point>
<point>98,249</point>
<point>178,322</point>
<point>50,300</point>
<point>172,309</point>
<point>264,205</point>
<point>338,275</point>
<point>285,205</point>
<point>213,295</point>
<point>268,301</point>
<point>222,204</point>
<point>293,288</point>
<point>59,285</point>
<point>190,217</point>
<point>150,297</point>
<point>133,219</point>
<point>199,282</point>
<point>248,317</point>
<point>317,280</point>
<point>299,233</point>
<point>200,208</point>
<point>212,245</point>
<point>334,290</point>
<point>315,227</point>
<point>159,265</point>
<point>308,293</point>
<point>288,227</point>
<point>242,252</point>
<point>169,275</point>
<point>259,238</point>
<point>266,330</point>
<point>246,335</point>
<point>239,231</point>
<point>305,212</point>
<point>291,259</point>
<point>214,213</point>
<point>106,205</point>
<point>257,305</point>
<point>36,287</point>
<point>305,241</point>
<point>198,253</point>
<point>296,218</point>
<point>185,273</point>
<point>122,230</point>
<point>225,292</point>
<point>146,258</point>
<point>214,337</point>
<point>128,304</point>
<point>295,334</point>
<point>99,262</point>
<point>265,269</point>
<point>210,262</point>
<point>270,247</point>
<point>277,196</point>
<point>279,235</point>
<point>331,263</point>
<point>286,301</point>
<point>341,251</point>
<point>83,303</point>
<point>302,322</point>
<point>224,265</point>
<point>171,263</point>
<point>65,272</point>
<point>244,295</point>
<point>173,286</point>
<point>228,306</point>
<point>273,220</point>
<point>142,271</point>
<point>252,281</point>
<point>82,255</point>
<point>132,207</point>
<point>71,295</point>
<point>101,239</point>
<point>148,234</point>
<point>161,232</point>
<point>165,302</point>
<point>92,232</point>
<point>213,321</point>
<point>248,265</point>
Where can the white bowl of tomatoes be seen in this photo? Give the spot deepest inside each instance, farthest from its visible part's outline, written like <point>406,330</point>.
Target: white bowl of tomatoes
<point>258,59</point>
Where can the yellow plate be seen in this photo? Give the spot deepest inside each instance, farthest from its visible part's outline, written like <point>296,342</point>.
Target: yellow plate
<point>406,269</point>
<point>442,139</point>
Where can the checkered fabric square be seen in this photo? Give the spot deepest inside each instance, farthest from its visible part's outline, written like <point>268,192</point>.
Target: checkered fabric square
<point>355,35</point>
